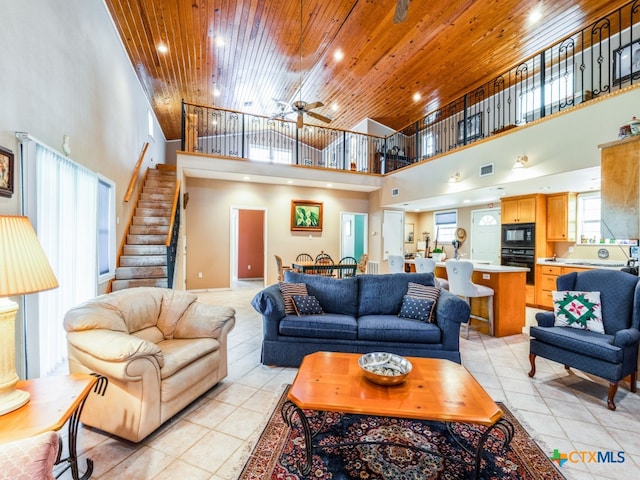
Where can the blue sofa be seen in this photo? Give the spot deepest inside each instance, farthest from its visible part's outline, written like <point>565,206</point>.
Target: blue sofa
<point>360,316</point>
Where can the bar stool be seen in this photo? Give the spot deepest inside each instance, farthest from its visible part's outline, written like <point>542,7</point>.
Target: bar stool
<point>396,263</point>
<point>459,274</point>
<point>428,265</point>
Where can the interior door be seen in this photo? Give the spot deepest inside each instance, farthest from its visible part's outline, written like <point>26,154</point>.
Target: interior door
<point>393,233</point>
<point>485,235</point>
<point>353,234</point>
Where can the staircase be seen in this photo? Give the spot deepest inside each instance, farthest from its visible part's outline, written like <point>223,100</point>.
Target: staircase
<point>144,257</point>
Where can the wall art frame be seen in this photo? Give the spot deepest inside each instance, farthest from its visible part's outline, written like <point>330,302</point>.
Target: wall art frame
<point>6,172</point>
<point>306,216</point>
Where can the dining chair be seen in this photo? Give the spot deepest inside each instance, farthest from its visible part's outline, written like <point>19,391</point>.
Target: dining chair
<point>362,263</point>
<point>304,257</point>
<point>428,265</point>
<point>459,274</point>
<point>281,268</point>
<point>347,272</point>
<point>396,263</point>
<point>323,255</point>
<point>324,260</point>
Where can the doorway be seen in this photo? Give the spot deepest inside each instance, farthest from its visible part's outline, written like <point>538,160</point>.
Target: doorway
<point>248,245</point>
<point>485,235</point>
<point>393,233</point>
<point>353,234</point>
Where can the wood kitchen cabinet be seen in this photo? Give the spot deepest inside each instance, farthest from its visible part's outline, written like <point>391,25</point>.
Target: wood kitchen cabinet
<point>519,209</point>
<point>546,276</point>
<point>561,217</point>
<point>620,188</point>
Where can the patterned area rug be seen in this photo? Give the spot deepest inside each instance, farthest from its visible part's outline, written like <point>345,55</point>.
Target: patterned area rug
<point>280,449</point>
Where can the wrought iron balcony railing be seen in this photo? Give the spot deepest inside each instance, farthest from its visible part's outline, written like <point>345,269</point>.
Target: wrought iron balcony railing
<point>585,65</point>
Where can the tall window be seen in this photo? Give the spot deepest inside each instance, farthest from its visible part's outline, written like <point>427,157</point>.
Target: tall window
<point>445,226</point>
<point>428,144</point>
<point>269,154</point>
<point>106,229</point>
<point>589,217</point>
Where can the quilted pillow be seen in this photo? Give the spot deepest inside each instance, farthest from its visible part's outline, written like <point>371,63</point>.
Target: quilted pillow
<point>306,305</point>
<point>424,292</point>
<point>416,308</point>
<point>289,289</point>
<point>578,310</point>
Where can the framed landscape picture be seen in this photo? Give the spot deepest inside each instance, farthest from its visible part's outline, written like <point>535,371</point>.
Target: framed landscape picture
<point>474,128</point>
<point>6,172</point>
<point>626,62</point>
<point>306,216</point>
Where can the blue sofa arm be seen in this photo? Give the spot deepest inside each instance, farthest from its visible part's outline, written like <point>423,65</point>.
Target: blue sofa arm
<point>625,337</point>
<point>270,304</point>
<point>451,311</point>
<point>545,319</point>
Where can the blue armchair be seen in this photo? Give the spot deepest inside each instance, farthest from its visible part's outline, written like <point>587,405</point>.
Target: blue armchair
<point>611,355</point>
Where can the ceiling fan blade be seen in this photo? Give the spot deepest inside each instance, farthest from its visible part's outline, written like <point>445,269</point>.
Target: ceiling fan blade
<point>319,117</point>
<point>401,11</point>
<point>311,106</point>
<point>299,121</point>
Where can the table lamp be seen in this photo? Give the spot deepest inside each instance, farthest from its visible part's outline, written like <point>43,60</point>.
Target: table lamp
<point>24,268</point>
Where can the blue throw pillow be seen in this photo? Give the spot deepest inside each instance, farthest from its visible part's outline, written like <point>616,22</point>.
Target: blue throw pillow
<point>416,308</point>
<point>307,305</point>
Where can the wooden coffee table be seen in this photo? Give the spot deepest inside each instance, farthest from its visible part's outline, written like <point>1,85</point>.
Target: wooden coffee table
<point>436,389</point>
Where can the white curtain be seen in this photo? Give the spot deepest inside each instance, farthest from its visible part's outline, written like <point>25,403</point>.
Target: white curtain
<point>66,210</point>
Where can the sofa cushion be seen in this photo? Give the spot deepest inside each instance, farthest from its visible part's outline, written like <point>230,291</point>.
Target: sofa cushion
<point>585,342</point>
<point>174,304</point>
<point>336,295</point>
<point>578,310</point>
<point>427,293</point>
<point>180,353</point>
<point>416,308</point>
<point>306,305</point>
<point>29,458</point>
<point>383,294</point>
<point>329,325</point>
<point>139,306</point>
<point>288,289</point>
<point>390,328</point>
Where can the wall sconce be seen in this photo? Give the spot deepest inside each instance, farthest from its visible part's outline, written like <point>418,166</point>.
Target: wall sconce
<point>455,178</point>
<point>521,162</point>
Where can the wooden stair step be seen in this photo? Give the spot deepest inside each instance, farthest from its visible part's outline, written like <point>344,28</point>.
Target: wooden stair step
<point>168,192</point>
<point>143,282</point>
<point>156,197</point>
<point>149,230</point>
<point>143,260</point>
<point>152,212</point>
<point>146,239</point>
<point>127,273</point>
<point>145,249</point>
<point>151,221</point>
<point>155,205</point>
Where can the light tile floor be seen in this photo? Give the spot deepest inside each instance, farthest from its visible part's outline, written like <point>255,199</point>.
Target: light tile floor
<point>212,438</point>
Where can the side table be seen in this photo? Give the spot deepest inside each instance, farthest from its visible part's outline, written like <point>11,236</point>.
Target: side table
<point>54,401</point>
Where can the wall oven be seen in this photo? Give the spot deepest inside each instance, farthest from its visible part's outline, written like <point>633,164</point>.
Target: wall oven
<point>518,235</point>
<point>520,257</point>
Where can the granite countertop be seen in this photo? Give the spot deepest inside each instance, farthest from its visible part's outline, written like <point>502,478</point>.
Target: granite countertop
<point>583,263</point>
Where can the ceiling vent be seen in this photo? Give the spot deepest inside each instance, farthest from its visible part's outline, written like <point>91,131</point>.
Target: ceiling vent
<point>395,192</point>
<point>486,170</point>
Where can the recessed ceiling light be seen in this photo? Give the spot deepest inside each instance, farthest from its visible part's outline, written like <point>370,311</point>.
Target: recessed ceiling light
<point>329,185</point>
<point>216,92</point>
<point>466,201</point>
<point>219,41</point>
<point>547,187</point>
<point>246,178</point>
<point>535,15</point>
<point>289,182</point>
<point>417,97</point>
<point>334,107</point>
<point>162,48</point>
<point>338,55</point>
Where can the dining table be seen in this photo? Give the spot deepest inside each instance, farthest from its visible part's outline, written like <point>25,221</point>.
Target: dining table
<point>312,267</point>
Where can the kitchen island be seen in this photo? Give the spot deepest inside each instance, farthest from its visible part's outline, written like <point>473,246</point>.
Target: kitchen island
<point>509,299</point>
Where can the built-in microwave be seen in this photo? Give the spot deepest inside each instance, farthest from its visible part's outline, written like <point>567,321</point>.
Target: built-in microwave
<point>518,234</point>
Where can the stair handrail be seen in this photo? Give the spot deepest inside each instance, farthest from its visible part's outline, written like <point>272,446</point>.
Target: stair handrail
<point>172,235</point>
<point>136,171</point>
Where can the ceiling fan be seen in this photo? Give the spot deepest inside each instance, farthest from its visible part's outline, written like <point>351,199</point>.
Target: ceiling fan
<point>300,107</point>
<point>401,11</point>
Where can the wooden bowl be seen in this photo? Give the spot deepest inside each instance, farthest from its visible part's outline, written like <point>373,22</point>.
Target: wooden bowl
<point>384,368</point>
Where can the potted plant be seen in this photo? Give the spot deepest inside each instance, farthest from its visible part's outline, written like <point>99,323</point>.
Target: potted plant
<point>437,254</point>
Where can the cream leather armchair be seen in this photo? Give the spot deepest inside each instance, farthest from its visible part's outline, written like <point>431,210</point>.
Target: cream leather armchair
<point>160,349</point>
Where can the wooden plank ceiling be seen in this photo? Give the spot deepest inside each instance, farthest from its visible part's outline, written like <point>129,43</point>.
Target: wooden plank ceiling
<point>250,52</point>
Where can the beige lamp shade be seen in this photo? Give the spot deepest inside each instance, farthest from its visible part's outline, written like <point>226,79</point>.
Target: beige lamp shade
<point>24,267</point>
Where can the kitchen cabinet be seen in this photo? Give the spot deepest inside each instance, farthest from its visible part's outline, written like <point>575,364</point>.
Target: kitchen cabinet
<point>620,188</point>
<point>546,276</point>
<point>519,209</point>
<point>561,217</point>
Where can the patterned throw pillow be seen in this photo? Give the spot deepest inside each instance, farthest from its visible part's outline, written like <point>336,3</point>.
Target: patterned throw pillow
<point>424,292</point>
<point>416,308</point>
<point>307,305</point>
<point>289,289</point>
<point>578,310</point>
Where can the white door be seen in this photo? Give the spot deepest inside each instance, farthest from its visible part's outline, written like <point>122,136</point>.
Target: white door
<point>485,235</point>
<point>393,233</point>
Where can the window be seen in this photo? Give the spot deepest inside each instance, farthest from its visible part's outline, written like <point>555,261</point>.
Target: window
<point>446,224</point>
<point>269,154</point>
<point>106,222</point>
<point>428,144</point>
<point>589,217</point>
<point>559,89</point>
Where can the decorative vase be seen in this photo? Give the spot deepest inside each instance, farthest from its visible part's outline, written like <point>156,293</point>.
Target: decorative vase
<point>438,256</point>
